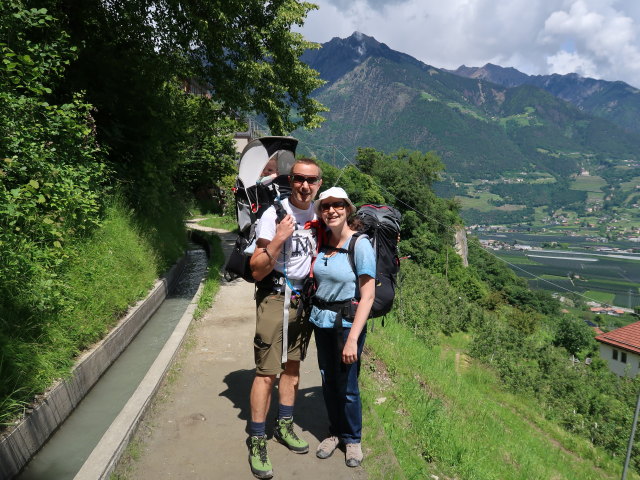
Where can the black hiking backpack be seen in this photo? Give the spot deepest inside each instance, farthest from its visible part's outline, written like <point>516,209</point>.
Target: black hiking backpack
<point>253,196</point>
<point>382,227</point>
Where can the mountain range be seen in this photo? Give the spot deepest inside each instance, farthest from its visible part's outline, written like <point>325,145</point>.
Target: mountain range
<point>617,102</point>
<point>482,122</point>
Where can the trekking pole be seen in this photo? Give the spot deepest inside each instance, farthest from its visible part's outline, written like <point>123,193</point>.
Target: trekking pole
<point>633,434</point>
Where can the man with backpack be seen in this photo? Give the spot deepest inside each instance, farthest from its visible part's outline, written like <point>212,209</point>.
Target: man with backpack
<point>280,264</point>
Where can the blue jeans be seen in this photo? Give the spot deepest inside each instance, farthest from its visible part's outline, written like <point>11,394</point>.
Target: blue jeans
<point>340,384</point>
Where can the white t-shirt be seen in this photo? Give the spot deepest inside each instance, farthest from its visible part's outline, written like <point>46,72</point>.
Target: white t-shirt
<point>299,248</point>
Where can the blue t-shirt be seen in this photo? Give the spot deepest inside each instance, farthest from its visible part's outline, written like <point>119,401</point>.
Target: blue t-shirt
<point>336,280</point>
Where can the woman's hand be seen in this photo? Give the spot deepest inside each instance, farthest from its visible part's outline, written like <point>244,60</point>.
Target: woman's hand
<point>350,351</point>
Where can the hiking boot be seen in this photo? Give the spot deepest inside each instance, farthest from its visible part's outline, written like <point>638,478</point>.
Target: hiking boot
<point>327,446</point>
<point>258,458</point>
<point>353,457</point>
<point>285,435</point>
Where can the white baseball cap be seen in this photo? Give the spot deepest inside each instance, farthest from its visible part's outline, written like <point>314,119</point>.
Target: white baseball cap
<point>333,192</point>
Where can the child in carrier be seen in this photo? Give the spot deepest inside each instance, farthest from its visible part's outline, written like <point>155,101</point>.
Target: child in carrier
<point>270,170</point>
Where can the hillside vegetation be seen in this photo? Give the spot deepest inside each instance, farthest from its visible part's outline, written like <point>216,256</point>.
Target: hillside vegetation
<point>617,102</point>
<point>494,335</point>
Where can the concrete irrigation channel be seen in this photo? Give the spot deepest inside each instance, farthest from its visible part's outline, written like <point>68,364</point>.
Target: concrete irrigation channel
<point>80,427</point>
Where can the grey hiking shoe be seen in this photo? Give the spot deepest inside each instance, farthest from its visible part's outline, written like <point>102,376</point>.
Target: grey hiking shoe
<point>285,435</point>
<point>327,447</point>
<point>353,457</point>
<point>258,458</point>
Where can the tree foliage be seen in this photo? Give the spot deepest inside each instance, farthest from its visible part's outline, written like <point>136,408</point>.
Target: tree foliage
<point>135,58</point>
<point>52,170</point>
<point>574,335</point>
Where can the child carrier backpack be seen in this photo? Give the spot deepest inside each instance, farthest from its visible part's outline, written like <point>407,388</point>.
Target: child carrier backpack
<point>382,227</point>
<point>254,193</point>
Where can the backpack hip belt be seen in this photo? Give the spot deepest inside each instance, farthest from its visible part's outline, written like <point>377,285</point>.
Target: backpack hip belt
<point>347,308</point>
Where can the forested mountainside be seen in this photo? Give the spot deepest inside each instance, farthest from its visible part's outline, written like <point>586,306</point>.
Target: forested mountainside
<point>617,101</point>
<point>387,100</point>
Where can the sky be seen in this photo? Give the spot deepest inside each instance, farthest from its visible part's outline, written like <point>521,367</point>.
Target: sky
<point>594,38</point>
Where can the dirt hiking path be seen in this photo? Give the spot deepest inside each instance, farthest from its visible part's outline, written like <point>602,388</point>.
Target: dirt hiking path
<point>197,427</point>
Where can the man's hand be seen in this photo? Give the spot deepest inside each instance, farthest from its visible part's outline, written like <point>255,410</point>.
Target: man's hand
<point>285,228</point>
<point>264,257</point>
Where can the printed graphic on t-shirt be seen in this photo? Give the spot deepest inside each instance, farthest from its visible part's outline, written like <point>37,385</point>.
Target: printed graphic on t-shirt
<point>302,243</point>
<point>299,248</point>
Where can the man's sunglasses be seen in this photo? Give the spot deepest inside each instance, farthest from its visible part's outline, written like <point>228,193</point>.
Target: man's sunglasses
<point>311,180</point>
<point>336,206</point>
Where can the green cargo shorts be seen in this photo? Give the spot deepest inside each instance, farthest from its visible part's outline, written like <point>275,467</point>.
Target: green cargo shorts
<point>267,343</point>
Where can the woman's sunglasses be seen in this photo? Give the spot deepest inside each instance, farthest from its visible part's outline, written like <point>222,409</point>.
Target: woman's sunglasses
<point>336,206</point>
<point>311,180</point>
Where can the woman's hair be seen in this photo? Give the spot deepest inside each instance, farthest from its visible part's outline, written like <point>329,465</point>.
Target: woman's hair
<point>355,223</point>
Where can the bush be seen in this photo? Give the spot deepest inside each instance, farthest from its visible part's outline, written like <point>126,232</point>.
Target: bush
<point>574,335</point>
<point>52,173</point>
<point>430,305</point>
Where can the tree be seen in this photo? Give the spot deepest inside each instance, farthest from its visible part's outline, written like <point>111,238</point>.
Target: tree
<point>133,55</point>
<point>574,335</point>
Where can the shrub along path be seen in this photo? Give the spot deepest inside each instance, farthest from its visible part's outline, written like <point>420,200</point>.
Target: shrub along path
<point>196,428</point>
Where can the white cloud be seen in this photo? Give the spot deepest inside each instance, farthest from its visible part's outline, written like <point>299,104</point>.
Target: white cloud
<point>599,38</point>
<point>605,38</point>
<point>565,62</point>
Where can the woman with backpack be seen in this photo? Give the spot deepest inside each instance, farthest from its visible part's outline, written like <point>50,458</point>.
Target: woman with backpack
<point>341,307</point>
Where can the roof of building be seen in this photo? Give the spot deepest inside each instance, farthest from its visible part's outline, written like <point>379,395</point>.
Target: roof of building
<point>626,338</point>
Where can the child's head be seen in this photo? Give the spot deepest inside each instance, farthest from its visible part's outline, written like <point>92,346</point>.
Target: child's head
<point>271,167</point>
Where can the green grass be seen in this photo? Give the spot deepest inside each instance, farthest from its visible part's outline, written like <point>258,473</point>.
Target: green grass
<point>517,259</point>
<point>591,183</point>
<point>509,207</point>
<point>601,297</point>
<point>543,180</point>
<point>444,414</point>
<point>553,277</point>
<point>105,274</point>
<point>112,270</point>
<point>212,282</point>
<point>631,184</point>
<point>465,110</point>
<point>428,97</point>
<point>481,203</point>
<point>525,119</point>
<point>217,221</point>
<point>594,197</point>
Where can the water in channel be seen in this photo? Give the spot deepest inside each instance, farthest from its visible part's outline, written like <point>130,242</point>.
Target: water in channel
<point>66,451</point>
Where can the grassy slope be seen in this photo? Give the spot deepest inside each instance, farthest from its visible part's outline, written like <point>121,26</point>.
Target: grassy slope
<point>217,221</point>
<point>591,183</point>
<point>109,271</point>
<point>116,267</point>
<point>212,282</point>
<point>444,414</point>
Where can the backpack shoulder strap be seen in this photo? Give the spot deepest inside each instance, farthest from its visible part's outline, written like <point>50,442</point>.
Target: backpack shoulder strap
<point>351,250</point>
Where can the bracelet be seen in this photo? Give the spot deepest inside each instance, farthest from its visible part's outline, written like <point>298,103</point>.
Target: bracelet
<point>268,254</point>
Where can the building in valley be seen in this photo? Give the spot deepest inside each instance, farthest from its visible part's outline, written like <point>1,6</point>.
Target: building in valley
<point>621,349</point>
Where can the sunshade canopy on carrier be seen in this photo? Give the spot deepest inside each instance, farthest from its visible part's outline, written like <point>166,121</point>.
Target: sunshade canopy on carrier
<point>253,194</point>
<point>257,153</point>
